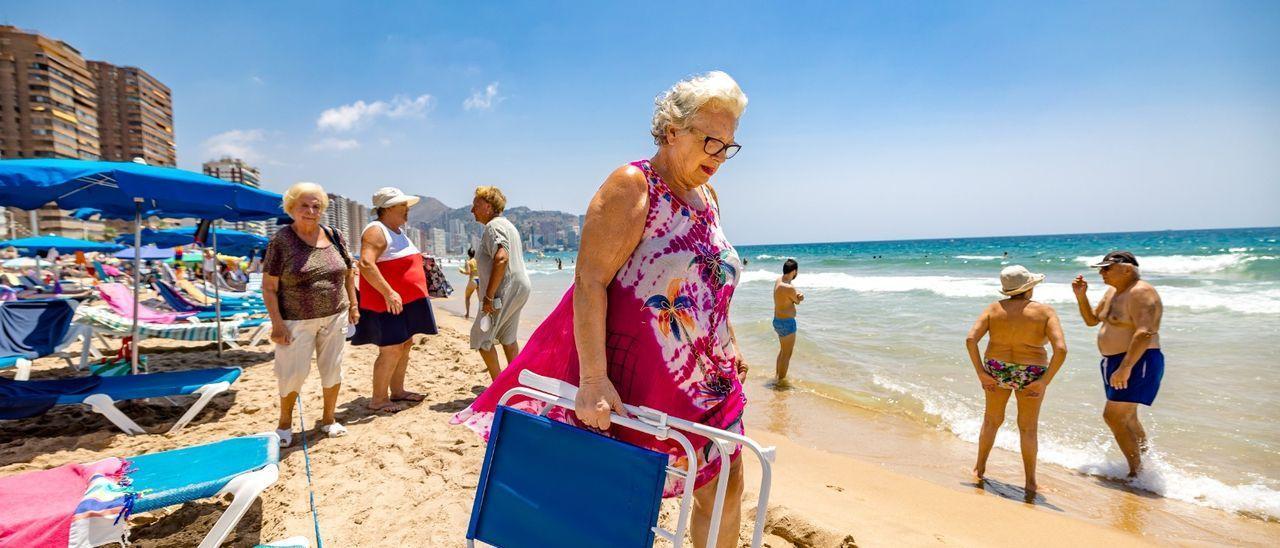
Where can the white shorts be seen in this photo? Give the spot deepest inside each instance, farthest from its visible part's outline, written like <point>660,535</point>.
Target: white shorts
<point>325,338</point>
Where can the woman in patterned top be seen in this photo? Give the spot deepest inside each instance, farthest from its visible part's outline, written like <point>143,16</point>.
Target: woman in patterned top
<point>309,289</point>
<point>647,320</point>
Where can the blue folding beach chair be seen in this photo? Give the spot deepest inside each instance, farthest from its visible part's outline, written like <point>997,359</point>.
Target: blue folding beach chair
<point>532,454</point>
<point>22,399</point>
<point>546,483</point>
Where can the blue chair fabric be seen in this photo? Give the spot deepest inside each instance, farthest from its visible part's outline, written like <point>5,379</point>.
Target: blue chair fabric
<point>546,483</point>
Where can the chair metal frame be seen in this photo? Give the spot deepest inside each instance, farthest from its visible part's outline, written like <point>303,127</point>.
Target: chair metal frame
<point>662,426</point>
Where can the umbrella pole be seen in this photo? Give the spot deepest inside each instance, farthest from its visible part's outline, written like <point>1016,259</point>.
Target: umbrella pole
<point>34,218</point>
<point>137,280</point>
<point>217,295</point>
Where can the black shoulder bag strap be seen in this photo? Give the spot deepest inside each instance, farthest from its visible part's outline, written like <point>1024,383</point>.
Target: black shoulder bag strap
<point>337,242</point>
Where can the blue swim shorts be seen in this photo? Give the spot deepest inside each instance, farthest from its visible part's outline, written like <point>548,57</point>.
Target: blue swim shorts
<point>1144,380</point>
<point>784,326</point>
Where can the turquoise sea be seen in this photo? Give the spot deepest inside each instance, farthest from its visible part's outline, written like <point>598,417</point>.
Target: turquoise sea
<point>883,327</point>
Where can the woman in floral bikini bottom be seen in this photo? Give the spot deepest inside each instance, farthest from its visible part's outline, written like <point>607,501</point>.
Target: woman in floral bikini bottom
<point>1015,363</point>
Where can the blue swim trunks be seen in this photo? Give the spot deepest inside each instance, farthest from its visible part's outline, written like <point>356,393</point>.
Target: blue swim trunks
<point>1144,380</point>
<point>784,326</point>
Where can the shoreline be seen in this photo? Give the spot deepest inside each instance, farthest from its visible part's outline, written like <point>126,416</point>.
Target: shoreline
<point>409,478</point>
<point>900,443</point>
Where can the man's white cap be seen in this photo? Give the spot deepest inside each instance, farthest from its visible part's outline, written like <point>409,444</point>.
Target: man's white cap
<point>391,196</point>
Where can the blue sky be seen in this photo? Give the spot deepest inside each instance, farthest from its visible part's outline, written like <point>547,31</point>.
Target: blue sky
<point>866,120</point>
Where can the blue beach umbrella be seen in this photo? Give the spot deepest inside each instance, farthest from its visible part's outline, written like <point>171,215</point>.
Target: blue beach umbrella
<point>39,245</point>
<point>148,253</point>
<point>123,190</point>
<point>231,242</point>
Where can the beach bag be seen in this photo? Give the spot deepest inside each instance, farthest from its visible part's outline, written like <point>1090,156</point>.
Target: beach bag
<point>118,365</point>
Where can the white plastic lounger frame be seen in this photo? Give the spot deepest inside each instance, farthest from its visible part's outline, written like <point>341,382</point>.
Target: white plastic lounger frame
<point>256,336</point>
<point>663,426</point>
<point>75,333</point>
<point>243,490</point>
<point>105,406</point>
<point>23,367</point>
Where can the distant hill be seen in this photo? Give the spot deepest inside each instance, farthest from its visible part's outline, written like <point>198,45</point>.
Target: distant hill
<point>550,227</point>
<point>428,211</point>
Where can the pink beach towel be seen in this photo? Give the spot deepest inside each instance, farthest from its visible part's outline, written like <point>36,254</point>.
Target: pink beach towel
<point>37,508</point>
<point>120,299</point>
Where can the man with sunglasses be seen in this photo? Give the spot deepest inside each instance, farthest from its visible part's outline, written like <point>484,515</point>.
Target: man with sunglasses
<point>1132,363</point>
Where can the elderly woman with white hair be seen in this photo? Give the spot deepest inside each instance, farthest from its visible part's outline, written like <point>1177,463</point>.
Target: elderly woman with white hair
<point>308,286</point>
<point>647,320</point>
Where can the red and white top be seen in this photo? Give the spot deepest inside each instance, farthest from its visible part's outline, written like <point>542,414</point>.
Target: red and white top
<point>401,266</point>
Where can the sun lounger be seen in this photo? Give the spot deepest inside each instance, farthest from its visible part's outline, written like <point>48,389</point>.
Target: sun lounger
<point>120,299</point>
<point>20,363</point>
<point>241,467</point>
<point>202,297</point>
<point>105,322</point>
<point>24,399</point>
<point>203,312</point>
<point>254,284</point>
<point>542,480</point>
<point>34,329</point>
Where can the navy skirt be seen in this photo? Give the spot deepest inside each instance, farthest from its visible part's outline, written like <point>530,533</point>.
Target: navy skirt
<point>387,329</point>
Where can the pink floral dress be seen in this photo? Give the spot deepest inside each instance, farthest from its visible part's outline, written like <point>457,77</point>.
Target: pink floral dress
<point>667,335</point>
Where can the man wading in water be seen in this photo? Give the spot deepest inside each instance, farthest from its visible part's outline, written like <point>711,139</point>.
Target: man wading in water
<point>1132,364</point>
<point>785,299</point>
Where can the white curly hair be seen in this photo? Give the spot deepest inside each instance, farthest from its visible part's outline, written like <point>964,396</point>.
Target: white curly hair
<point>679,104</point>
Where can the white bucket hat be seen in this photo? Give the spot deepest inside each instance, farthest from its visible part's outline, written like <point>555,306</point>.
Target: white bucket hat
<point>388,196</point>
<point>1015,279</point>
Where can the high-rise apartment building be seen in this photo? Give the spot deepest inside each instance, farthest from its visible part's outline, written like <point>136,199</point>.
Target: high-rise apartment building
<point>439,243</point>
<point>48,109</point>
<point>135,115</point>
<point>357,216</point>
<point>236,170</point>
<point>47,98</point>
<point>337,215</point>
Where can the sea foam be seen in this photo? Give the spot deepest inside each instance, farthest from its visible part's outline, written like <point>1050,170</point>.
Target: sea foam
<point>1185,264</point>
<point>1247,300</point>
<point>1096,456</point>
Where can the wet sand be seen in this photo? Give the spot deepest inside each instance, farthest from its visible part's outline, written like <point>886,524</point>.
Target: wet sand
<point>409,478</point>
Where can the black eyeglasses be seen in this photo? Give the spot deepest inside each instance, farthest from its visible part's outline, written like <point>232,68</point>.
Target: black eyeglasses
<point>713,146</point>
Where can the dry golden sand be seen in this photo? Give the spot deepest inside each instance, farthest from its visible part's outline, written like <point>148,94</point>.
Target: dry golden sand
<point>408,478</point>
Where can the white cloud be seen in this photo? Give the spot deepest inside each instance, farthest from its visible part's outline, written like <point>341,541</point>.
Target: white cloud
<point>485,99</point>
<point>360,113</point>
<point>238,143</point>
<point>330,143</point>
<point>257,79</point>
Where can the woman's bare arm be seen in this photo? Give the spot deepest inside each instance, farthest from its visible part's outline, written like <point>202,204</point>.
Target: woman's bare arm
<point>271,298</point>
<point>611,231</point>
<point>1053,330</point>
<point>976,333</point>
